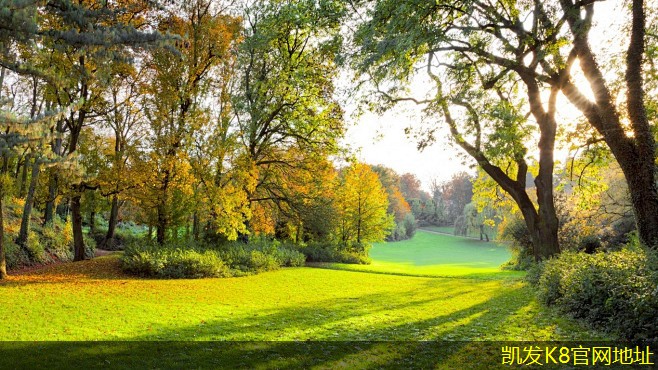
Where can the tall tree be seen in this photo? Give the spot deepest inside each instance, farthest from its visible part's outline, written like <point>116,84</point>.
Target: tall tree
<point>633,147</point>
<point>175,108</point>
<point>284,102</point>
<point>483,61</point>
<point>80,39</point>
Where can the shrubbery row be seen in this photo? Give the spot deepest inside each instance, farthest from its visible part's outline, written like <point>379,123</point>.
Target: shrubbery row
<point>195,261</point>
<point>329,252</point>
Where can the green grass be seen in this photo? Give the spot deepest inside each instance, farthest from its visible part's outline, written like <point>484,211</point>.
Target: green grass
<point>95,301</point>
<point>434,255</point>
<point>441,229</point>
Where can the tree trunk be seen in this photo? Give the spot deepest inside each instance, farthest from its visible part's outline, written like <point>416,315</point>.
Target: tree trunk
<point>27,208</point>
<point>78,241</point>
<point>635,153</point>
<point>112,222</point>
<point>195,226</point>
<point>644,197</point>
<point>49,212</point>
<point>161,227</point>
<point>21,188</point>
<point>92,222</point>
<point>3,261</point>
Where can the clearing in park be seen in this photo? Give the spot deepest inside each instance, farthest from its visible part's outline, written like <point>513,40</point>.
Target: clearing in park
<point>472,300</point>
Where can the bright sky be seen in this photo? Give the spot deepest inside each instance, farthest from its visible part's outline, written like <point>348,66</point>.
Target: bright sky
<point>381,139</point>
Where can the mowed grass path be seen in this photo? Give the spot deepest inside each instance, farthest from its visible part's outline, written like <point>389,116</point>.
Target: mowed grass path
<point>432,254</point>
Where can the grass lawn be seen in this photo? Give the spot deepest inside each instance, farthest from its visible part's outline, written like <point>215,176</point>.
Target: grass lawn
<point>344,314</point>
<point>442,229</point>
<point>430,254</point>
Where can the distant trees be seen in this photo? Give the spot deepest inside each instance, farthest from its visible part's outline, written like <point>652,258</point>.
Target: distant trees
<point>398,206</point>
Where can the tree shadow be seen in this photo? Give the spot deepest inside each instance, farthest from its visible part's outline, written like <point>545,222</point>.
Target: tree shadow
<point>376,347</point>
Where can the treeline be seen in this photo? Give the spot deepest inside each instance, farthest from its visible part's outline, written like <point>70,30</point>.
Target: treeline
<point>200,119</point>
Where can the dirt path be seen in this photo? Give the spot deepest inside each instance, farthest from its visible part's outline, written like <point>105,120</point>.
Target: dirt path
<point>102,252</point>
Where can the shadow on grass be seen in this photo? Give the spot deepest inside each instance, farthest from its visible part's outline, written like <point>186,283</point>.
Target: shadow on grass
<point>497,275</point>
<point>376,351</point>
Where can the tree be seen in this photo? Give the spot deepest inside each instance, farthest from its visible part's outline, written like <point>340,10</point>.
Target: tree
<point>456,194</point>
<point>284,102</point>
<point>76,41</point>
<point>483,64</point>
<point>410,186</point>
<point>391,181</point>
<point>634,146</point>
<point>122,113</point>
<point>175,109</point>
<point>3,262</point>
<point>361,203</point>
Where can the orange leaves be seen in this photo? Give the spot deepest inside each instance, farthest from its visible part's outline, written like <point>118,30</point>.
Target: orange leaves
<point>361,203</point>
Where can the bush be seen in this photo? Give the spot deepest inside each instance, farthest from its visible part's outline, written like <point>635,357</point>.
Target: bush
<point>122,238</point>
<point>35,249</point>
<point>410,225</point>
<point>616,290</point>
<point>290,257</point>
<point>405,229</point>
<point>56,243</point>
<point>165,262</point>
<point>516,232</point>
<point>14,254</point>
<point>193,261</point>
<point>398,233</point>
<point>328,252</point>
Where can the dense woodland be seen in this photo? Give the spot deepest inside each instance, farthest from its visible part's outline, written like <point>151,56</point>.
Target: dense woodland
<point>203,137</point>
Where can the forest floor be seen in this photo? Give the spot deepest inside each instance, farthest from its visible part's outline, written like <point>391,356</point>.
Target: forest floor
<point>342,315</point>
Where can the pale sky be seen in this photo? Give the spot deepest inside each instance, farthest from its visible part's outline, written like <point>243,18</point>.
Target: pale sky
<point>381,139</point>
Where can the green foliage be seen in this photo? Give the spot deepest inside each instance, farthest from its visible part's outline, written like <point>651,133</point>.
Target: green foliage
<point>188,260</point>
<point>516,232</point>
<point>14,254</point>
<point>330,252</point>
<point>405,229</point>
<point>172,262</point>
<point>35,249</point>
<point>123,236</point>
<point>57,239</point>
<point>617,291</point>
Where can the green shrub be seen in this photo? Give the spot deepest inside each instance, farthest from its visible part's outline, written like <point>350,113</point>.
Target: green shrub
<point>90,246</point>
<point>405,229</point>
<point>534,273</point>
<point>328,252</point>
<point>290,257</point>
<point>516,232</point>
<point>14,254</point>
<point>410,225</point>
<point>35,249</point>
<point>616,290</point>
<point>122,238</point>
<point>398,233</point>
<point>178,260</point>
<point>166,262</point>
<point>56,243</point>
